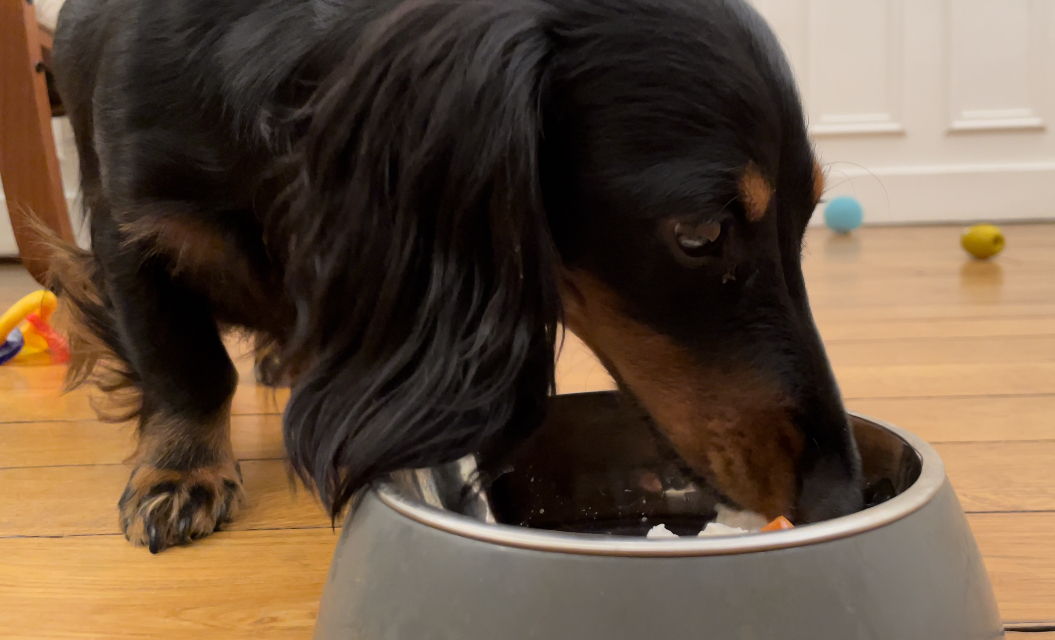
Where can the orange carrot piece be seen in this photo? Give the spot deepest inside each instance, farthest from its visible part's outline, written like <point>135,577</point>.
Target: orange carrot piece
<point>780,524</point>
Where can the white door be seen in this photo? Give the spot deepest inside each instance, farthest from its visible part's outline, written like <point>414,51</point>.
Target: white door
<point>929,110</point>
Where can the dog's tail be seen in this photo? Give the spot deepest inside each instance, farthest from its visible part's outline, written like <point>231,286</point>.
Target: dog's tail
<point>86,315</point>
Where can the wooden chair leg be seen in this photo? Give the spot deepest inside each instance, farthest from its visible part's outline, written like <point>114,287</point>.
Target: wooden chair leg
<point>29,164</point>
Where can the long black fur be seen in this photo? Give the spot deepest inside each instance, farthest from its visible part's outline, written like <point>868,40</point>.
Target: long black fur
<point>423,273</point>
<point>396,187</point>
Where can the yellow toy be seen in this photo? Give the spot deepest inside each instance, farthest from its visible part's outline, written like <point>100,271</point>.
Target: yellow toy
<point>29,339</point>
<point>983,241</point>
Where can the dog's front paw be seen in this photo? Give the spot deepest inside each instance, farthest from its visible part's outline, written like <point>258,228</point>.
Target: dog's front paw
<point>162,508</point>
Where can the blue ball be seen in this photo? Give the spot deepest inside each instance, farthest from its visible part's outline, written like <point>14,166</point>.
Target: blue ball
<point>844,214</point>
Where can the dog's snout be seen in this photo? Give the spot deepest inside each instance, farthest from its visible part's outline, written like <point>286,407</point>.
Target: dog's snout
<point>831,487</point>
<point>830,475</point>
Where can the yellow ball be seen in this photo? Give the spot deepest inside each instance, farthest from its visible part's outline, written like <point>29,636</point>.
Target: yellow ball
<point>983,241</point>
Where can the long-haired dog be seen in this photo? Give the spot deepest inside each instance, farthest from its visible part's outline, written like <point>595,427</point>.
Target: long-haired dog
<point>410,199</point>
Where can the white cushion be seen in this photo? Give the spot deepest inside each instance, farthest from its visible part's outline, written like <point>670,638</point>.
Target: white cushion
<point>48,12</point>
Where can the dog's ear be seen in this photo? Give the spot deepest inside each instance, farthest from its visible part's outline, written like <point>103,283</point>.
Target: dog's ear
<point>417,248</point>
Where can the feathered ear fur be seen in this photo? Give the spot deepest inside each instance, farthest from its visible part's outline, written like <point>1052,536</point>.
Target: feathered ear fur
<point>418,252</point>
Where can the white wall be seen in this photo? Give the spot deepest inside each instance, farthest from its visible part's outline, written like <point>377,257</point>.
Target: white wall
<point>930,110</point>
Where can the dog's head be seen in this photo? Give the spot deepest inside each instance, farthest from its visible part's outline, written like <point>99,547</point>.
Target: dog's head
<point>480,169</point>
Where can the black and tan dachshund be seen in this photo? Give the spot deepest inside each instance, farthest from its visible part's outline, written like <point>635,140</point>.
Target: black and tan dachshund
<point>408,200</point>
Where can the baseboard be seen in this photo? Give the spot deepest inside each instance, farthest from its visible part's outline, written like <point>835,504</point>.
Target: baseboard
<point>946,194</point>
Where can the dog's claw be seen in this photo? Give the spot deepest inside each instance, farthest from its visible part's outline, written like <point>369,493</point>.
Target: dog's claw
<point>184,524</point>
<point>155,539</point>
<point>164,508</point>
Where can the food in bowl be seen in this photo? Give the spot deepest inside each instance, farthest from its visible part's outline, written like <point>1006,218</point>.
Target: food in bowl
<point>721,526</point>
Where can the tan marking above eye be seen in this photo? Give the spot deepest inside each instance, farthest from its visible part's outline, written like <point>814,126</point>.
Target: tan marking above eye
<point>818,182</point>
<point>755,192</point>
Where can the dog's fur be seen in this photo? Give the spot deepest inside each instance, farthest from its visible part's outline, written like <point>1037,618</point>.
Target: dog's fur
<point>407,198</point>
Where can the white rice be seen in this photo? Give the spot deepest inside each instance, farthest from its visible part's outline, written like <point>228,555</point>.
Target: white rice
<point>729,522</point>
<point>660,532</point>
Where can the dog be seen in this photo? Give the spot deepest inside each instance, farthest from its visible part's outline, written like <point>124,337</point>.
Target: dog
<point>409,200</point>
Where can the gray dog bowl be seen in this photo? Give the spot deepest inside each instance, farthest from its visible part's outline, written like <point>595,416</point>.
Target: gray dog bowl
<point>421,557</point>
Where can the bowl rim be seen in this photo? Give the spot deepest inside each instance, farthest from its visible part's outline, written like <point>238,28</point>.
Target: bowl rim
<point>931,480</point>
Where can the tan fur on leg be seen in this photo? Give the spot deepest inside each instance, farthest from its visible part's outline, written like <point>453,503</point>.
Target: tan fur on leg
<point>164,506</point>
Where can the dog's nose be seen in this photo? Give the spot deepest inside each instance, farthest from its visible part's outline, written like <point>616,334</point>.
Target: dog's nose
<point>832,488</point>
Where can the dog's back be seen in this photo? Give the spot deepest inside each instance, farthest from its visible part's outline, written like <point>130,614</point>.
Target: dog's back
<point>213,86</point>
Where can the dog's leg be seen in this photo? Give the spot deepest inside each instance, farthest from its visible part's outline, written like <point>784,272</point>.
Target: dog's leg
<point>186,481</point>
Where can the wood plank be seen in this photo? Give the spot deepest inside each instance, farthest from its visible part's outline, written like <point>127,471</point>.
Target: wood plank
<point>905,286</point>
<point>916,381</point>
<point>80,500</point>
<point>875,270</point>
<point>966,419</point>
<point>81,442</point>
<point>261,585</point>
<point>247,583</point>
<point>579,371</point>
<point>1002,476</point>
<point>34,394</point>
<point>940,240</point>
<point>868,295</point>
<point>68,501</point>
<point>912,312</point>
<point>834,258</point>
<point>1019,551</point>
<point>29,394</point>
<point>204,591</point>
<point>15,282</point>
<point>834,332</point>
<point>87,442</point>
<point>942,351</point>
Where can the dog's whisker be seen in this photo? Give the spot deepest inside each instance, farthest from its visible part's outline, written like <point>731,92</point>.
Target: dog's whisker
<point>850,179</point>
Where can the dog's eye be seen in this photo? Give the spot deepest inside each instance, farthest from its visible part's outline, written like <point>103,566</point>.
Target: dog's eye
<point>695,237</point>
<point>693,242</point>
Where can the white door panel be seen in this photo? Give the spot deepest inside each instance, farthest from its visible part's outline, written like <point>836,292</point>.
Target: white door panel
<point>929,110</point>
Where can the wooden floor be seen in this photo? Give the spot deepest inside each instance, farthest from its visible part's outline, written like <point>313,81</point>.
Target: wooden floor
<point>962,353</point>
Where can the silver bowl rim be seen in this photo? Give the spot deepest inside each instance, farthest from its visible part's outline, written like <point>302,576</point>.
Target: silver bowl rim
<point>930,481</point>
